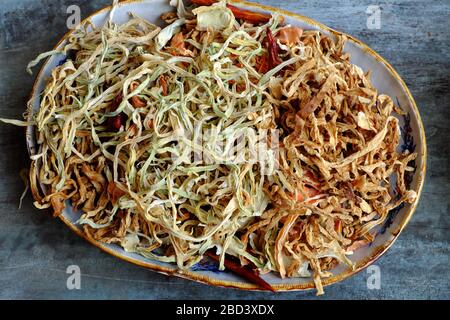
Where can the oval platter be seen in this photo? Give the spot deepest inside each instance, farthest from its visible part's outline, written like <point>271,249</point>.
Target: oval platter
<point>384,78</point>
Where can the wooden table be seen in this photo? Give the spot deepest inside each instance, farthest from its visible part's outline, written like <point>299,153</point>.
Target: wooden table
<point>35,249</point>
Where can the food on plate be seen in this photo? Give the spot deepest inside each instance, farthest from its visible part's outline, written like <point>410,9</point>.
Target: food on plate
<point>118,123</point>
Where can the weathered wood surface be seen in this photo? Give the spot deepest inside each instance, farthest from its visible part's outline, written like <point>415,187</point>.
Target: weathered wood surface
<point>36,249</point>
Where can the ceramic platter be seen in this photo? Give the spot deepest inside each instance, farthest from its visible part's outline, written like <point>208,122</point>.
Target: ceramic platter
<point>384,78</point>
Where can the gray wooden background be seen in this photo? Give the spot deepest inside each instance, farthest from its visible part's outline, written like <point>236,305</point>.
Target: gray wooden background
<point>35,249</point>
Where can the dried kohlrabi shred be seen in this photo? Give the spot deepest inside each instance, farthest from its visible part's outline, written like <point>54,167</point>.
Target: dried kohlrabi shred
<point>112,115</point>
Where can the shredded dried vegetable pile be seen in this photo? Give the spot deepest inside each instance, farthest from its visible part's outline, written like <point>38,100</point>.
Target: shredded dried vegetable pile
<point>114,114</point>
